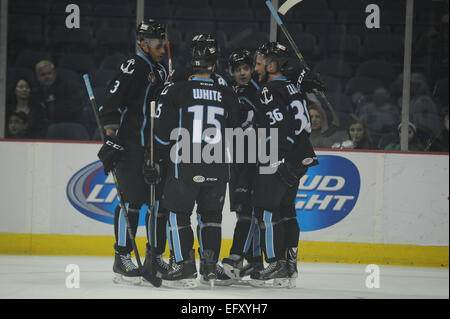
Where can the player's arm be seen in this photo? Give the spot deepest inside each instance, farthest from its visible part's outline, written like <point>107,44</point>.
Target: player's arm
<point>115,96</point>
<point>166,118</point>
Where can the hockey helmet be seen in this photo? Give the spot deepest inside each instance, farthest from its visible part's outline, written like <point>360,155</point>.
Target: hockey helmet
<point>240,57</point>
<point>204,52</point>
<point>150,29</point>
<point>274,51</point>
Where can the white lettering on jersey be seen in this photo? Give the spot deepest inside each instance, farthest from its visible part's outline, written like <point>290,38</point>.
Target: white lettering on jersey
<point>203,94</point>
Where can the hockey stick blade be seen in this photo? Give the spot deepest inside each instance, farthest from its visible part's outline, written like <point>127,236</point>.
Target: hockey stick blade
<point>288,6</point>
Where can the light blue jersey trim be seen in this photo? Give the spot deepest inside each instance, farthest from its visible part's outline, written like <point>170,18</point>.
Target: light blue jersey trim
<point>180,111</point>
<point>290,139</point>
<point>195,78</point>
<point>280,78</point>
<point>248,101</point>
<point>256,85</point>
<point>160,141</point>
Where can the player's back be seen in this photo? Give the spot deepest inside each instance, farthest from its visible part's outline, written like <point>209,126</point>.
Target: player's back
<point>197,112</point>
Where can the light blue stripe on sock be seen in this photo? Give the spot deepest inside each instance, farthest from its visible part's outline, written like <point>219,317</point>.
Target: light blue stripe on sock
<point>122,228</point>
<point>176,237</point>
<point>269,234</point>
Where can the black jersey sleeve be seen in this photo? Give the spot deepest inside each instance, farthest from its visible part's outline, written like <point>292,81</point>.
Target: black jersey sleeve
<point>235,115</point>
<point>165,117</point>
<point>116,93</point>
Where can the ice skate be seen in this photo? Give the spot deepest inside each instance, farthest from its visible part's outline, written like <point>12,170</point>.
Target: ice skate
<point>276,272</point>
<point>221,280</point>
<point>233,266</point>
<point>182,275</point>
<point>125,271</point>
<point>291,264</point>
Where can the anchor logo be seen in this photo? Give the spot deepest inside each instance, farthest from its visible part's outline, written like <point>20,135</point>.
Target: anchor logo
<point>266,100</point>
<point>125,69</point>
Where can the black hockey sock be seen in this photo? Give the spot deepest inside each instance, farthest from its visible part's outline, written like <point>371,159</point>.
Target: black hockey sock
<point>182,236</point>
<point>123,242</point>
<point>156,228</point>
<point>290,225</point>
<point>291,232</point>
<point>243,235</point>
<point>210,232</point>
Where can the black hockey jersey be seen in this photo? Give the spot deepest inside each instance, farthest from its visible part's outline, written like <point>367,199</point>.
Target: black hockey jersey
<point>197,107</point>
<point>280,105</point>
<point>247,97</point>
<point>127,102</point>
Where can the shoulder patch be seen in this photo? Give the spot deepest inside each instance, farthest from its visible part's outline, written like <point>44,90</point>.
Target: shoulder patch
<point>266,96</point>
<point>125,67</point>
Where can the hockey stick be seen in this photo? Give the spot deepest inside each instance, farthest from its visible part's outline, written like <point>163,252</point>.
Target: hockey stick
<point>169,58</point>
<point>293,44</point>
<point>153,280</point>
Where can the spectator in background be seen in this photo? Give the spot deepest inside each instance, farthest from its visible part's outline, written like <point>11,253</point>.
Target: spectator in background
<point>17,125</point>
<point>419,86</point>
<point>414,144</point>
<point>379,102</point>
<point>322,135</point>
<point>60,99</point>
<point>357,137</point>
<point>19,100</point>
<point>441,143</point>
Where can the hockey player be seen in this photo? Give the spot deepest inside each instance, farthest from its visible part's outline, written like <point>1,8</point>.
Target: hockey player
<point>246,232</point>
<point>198,106</point>
<point>125,116</point>
<point>281,105</point>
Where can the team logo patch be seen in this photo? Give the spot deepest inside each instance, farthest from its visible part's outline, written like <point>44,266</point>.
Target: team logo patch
<point>327,193</point>
<point>198,179</point>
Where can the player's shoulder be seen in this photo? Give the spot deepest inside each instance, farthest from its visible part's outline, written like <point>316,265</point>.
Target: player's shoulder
<point>219,79</point>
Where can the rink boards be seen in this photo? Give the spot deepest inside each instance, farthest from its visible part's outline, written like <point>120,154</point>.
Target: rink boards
<point>355,207</point>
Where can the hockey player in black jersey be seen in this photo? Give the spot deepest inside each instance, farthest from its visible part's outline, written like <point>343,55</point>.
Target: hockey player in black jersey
<point>282,105</point>
<point>125,116</point>
<point>246,232</point>
<point>193,114</point>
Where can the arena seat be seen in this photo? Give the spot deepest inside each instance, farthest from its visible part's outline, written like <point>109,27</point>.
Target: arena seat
<point>100,78</point>
<point>67,131</point>
<point>112,62</point>
<point>362,84</point>
<point>79,62</point>
<point>377,69</point>
<point>334,67</point>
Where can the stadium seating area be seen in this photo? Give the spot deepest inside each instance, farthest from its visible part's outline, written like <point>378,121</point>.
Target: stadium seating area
<point>330,33</point>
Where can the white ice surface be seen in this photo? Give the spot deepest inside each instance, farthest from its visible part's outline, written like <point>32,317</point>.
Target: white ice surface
<point>35,277</point>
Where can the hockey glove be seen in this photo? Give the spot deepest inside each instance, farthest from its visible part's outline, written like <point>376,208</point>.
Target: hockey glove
<point>289,175</point>
<point>110,153</point>
<point>152,175</point>
<point>310,82</point>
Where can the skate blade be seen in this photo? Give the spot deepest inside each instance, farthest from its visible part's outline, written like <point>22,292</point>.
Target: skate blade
<point>124,280</point>
<point>146,283</point>
<point>275,283</point>
<point>221,283</point>
<point>180,284</point>
<point>231,272</point>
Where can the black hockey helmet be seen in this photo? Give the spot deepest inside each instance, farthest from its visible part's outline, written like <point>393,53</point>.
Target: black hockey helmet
<point>204,52</point>
<point>240,57</point>
<point>274,51</point>
<point>150,29</point>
